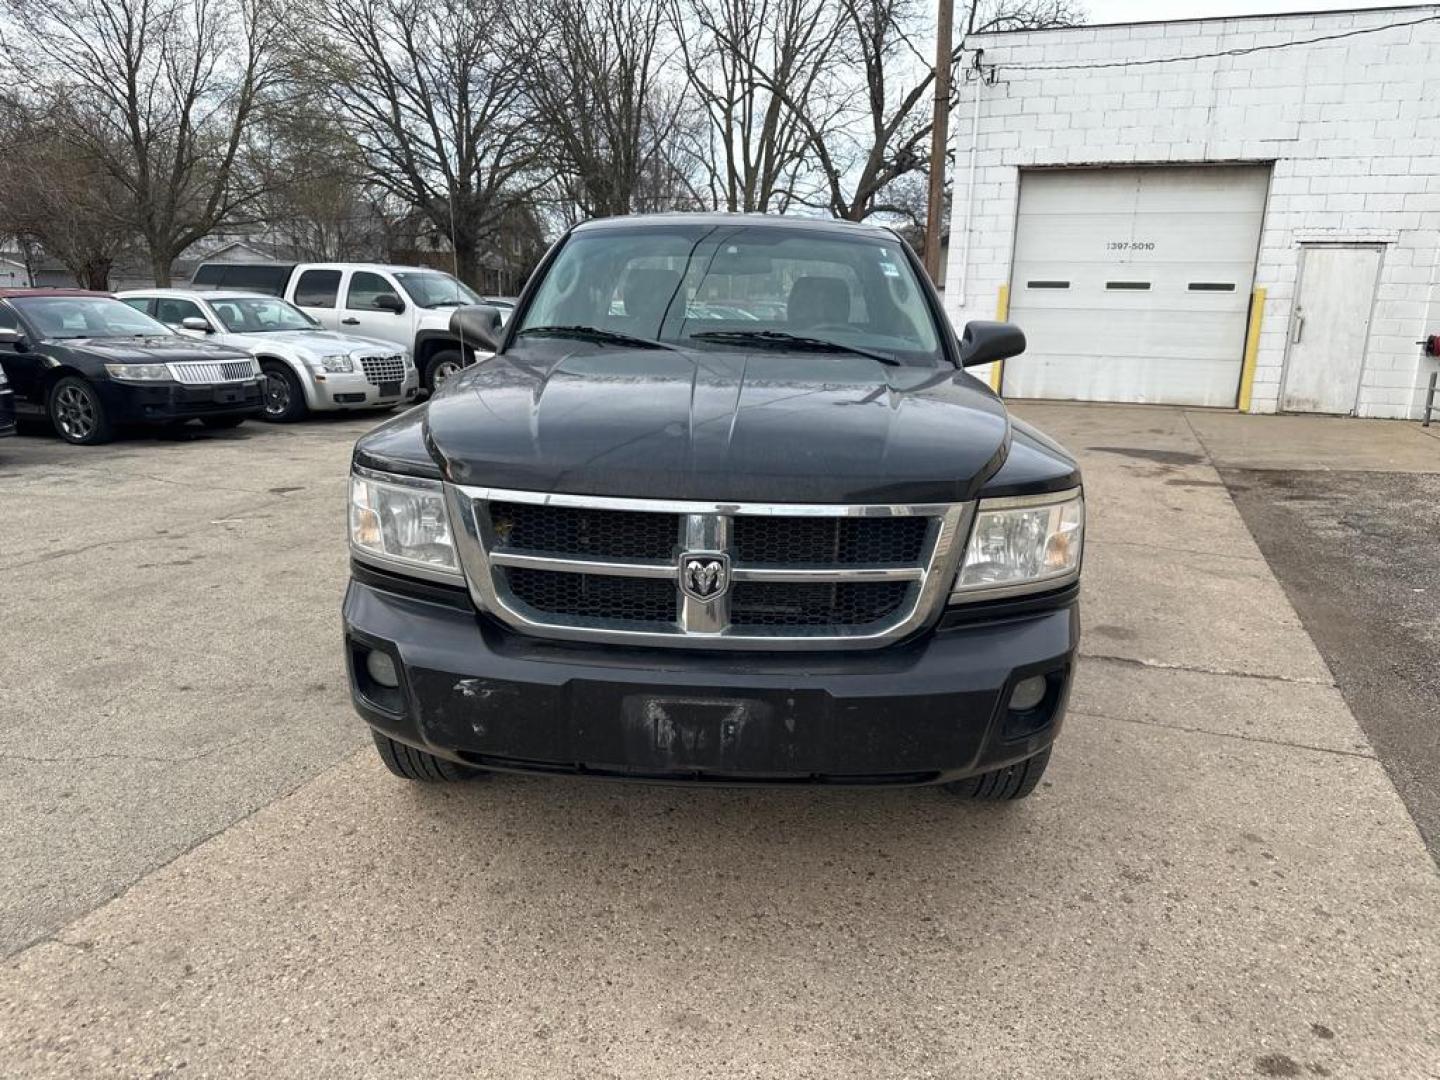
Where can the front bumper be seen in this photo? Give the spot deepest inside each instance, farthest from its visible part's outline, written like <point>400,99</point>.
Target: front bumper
<point>354,391</point>
<point>7,413</point>
<point>143,403</point>
<point>926,711</point>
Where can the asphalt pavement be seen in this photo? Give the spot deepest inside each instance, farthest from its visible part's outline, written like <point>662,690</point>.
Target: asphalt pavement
<point>1216,879</point>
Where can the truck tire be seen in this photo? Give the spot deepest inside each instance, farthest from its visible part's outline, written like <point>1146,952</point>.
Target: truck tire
<point>440,367</point>
<point>284,396</point>
<point>78,413</point>
<point>1012,782</point>
<point>410,764</point>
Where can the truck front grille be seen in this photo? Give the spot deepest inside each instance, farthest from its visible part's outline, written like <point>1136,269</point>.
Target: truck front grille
<point>594,596</point>
<point>207,372</point>
<point>582,530</point>
<point>383,369</point>
<point>760,605</point>
<point>732,575</point>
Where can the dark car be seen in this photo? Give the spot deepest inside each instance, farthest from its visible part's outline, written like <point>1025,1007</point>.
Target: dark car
<point>804,546</point>
<point>92,363</point>
<point>7,406</point>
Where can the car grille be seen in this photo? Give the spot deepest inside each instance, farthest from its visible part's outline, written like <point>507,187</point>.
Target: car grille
<point>205,372</point>
<point>799,576</point>
<point>383,369</point>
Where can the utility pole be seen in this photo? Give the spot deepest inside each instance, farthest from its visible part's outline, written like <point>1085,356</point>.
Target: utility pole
<point>939,137</point>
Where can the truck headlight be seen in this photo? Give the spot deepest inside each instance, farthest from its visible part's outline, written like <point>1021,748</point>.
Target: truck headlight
<point>137,372</point>
<point>338,364</point>
<point>401,520</point>
<point>1022,545</point>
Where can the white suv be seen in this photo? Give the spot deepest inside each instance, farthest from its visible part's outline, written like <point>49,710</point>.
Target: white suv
<point>407,305</point>
<point>307,368</point>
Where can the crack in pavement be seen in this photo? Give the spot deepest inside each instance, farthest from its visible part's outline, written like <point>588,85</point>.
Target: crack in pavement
<point>158,759</point>
<point>150,537</point>
<point>1225,734</point>
<point>1176,550</point>
<point>1161,665</point>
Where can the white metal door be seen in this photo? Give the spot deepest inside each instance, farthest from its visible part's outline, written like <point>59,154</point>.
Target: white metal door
<point>1328,328</point>
<point>1134,284</point>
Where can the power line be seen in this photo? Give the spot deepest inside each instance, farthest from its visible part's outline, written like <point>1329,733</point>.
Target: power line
<point>1224,52</point>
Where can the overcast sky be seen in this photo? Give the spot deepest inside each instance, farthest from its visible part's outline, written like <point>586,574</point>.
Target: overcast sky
<point>1109,11</point>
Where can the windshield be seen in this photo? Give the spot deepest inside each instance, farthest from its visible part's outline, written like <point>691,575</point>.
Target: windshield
<point>429,288</point>
<point>741,287</point>
<point>62,317</point>
<point>260,315</point>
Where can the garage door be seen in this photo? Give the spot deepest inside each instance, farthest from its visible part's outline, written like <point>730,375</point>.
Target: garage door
<point>1134,284</point>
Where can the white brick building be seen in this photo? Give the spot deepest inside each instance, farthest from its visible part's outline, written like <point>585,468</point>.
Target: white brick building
<point>1259,227</point>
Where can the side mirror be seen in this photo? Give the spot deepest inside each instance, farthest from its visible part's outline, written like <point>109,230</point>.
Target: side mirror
<point>390,302</point>
<point>195,322</point>
<point>14,338</point>
<point>478,324</point>
<point>985,341</point>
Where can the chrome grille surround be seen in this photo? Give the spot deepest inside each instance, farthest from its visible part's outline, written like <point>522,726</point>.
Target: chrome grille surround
<point>705,527</point>
<point>383,369</point>
<point>208,372</point>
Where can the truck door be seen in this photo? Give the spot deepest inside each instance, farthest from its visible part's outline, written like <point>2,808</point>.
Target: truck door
<point>317,292</point>
<point>375,307</point>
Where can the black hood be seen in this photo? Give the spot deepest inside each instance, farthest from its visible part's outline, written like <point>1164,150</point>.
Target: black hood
<point>717,426</point>
<point>168,349</point>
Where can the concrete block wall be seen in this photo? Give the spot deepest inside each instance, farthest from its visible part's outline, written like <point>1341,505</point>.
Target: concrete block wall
<point>1352,126</point>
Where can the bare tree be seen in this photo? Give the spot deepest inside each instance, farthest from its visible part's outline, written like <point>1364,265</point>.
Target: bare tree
<point>317,204</point>
<point>431,92</point>
<point>595,79</point>
<point>864,120</point>
<point>761,70</point>
<point>160,95</point>
<point>52,197</point>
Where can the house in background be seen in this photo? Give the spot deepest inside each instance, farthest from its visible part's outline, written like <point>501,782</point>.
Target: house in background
<point>1225,212</point>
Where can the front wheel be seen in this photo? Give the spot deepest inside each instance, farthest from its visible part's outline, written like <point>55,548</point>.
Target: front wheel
<point>443,365</point>
<point>284,397</point>
<point>78,413</point>
<point>410,764</point>
<point>1012,782</point>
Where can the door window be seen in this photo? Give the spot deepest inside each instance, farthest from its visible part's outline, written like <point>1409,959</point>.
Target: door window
<point>318,288</point>
<point>365,289</point>
<point>173,312</point>
<point>141,303</point>
<point>8,319</point>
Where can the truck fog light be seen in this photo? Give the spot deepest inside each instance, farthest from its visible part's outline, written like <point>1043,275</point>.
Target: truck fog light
<point>382,668</point>
<point>1027,694</point>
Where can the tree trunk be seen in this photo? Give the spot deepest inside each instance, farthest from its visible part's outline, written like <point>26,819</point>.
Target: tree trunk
<point>95,274</point>
<point>160,263</point>
<point>467,261</point>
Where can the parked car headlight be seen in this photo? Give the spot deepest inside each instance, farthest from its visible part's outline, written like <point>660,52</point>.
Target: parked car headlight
<point>402,519</point>
<point>3,380</point>
<point>1022,545</point>
<point>137,372</point>
<point>337,364</point>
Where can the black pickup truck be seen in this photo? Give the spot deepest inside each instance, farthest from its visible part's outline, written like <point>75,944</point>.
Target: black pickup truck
<point>724,507</point>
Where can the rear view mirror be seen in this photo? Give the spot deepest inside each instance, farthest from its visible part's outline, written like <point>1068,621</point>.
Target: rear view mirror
<point>195,322</point>
<point>477,325</point>
<point>390,302</point>
<point>985,341</point>
<point>12,337</point>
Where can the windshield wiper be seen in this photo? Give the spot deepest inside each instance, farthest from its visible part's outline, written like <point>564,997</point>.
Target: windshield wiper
<point>594,333</point>
<point>792,341</point>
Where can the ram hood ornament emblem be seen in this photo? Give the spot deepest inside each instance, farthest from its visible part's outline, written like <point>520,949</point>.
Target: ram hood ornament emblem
<point>705,575</point>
